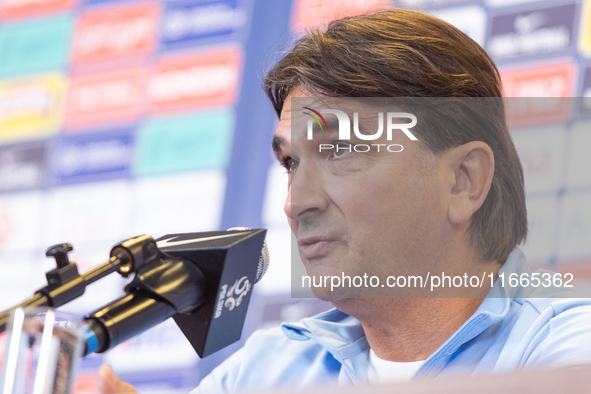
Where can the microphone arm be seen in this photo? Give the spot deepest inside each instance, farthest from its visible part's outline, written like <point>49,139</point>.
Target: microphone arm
<point>65,284</point>
<point>159,290</point>
<point>199,279</point>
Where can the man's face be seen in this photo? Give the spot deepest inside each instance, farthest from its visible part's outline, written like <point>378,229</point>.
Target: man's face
<point>360,213</point>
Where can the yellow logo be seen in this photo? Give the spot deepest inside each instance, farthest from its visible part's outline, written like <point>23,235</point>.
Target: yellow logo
<point>31,107</point>
<point>585,29</point>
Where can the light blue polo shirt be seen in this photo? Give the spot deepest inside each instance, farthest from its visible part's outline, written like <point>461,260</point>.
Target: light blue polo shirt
<point>513,329</point>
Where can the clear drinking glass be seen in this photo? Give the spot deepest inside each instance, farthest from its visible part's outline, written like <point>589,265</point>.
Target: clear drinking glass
<point>43,348</point>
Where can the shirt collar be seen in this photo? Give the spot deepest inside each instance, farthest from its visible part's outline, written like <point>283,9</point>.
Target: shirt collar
<point>343,336</point>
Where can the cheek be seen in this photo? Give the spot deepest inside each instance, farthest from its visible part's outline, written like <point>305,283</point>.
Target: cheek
<point>375,203</point>
<point>372,218</point>
<point>385,216</point>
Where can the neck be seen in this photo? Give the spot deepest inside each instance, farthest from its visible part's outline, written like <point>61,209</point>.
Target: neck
<point>411,329</point>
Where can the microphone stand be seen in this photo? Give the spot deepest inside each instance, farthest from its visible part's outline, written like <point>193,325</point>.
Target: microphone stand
<point>65,284</point>
<point>168,282</point>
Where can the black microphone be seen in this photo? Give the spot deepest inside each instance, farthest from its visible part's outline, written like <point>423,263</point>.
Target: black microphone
<point>202,280</point>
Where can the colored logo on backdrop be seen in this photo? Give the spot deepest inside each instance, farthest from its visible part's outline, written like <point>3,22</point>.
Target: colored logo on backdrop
<point>189,23</point>
<point>93,156</point>
<point>116,32</point>
<point>184,142</point>
<point>35,46</point>
<point>31,108</point>
<point>551,83</point>
<point>584,106</point>
<point>585,29</point>
<point>195,80</point>
<point>539,31</point>
<point>22,166</point>
<point>20,8</point>
<point>308,14</point>
<point>105,98</point>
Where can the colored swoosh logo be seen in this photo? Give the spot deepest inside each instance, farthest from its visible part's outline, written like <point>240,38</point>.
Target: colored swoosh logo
<point>315,118</point>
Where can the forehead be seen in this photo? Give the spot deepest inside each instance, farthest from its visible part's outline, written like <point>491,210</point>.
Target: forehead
<point>289,112</point>
<point>366,114</point>
<point>293,113</point>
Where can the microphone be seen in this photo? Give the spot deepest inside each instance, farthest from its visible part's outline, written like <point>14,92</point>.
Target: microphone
<point>202,280</point>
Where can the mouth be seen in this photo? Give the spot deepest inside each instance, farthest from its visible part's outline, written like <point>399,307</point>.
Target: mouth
<point>315,247</point>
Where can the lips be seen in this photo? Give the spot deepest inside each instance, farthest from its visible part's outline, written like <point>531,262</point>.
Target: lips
<point>315,247</point>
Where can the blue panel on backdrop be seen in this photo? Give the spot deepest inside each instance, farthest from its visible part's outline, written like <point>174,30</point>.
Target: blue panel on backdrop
<point>89,157</point>
<point>22,166</point>
<point>584,94</point>
<point>93,2</point>
<point>189,23</point>
<point>251,150</point>
<point>532,32</point>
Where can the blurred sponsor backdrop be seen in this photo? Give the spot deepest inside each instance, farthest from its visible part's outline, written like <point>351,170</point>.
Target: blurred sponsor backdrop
<point>120,118</point>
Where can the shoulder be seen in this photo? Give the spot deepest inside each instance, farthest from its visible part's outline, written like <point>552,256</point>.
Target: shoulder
<point>559,332</point>
<point>270,358</point>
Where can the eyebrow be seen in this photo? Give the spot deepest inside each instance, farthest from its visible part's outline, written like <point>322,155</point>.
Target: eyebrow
<point>278,143</point>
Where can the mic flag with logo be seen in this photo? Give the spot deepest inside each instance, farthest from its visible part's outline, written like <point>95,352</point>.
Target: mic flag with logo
<point>229,262</point>
<point>202,280</point>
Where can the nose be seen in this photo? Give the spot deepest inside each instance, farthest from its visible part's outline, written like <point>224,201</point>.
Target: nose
<point>306,195</point>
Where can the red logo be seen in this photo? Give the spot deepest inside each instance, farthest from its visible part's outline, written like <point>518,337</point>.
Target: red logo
<point>536,95</point>
<point>116,32</point>
<point>104,98</point>
<point>195,80</point>
<point>19,8</point>
<point>318,13</point>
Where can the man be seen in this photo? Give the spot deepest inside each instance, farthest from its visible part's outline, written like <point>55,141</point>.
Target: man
<point>451,201</point>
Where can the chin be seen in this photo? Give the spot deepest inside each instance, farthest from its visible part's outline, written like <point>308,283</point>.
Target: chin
<point>335,296</point>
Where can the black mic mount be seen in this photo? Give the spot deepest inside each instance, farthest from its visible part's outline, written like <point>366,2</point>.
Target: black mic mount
<point>65,284</point>
<point>199,279</point>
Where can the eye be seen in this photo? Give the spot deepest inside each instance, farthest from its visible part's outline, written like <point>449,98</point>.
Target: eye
<point>289,164</point>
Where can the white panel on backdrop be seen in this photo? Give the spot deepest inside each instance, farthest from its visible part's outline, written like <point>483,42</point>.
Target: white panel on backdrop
<point>579,159</point>
<point>421,4</point>
<point>278,277</point>
<point>275,195</point>
<point>15,271</point>
<point>498,3</point>
<point>575,227</point>
<point>542,220</point>
<point>178,203</point>
<point>19,221</point>
<point>542,154</point>
<point>87,213</point>
<point>471,20</point>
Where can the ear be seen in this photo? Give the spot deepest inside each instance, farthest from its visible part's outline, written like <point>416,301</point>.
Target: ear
<point>472,166</point>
